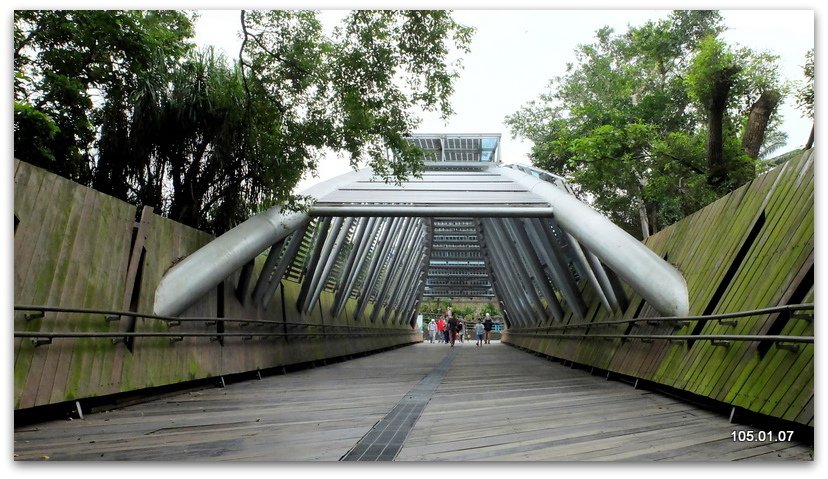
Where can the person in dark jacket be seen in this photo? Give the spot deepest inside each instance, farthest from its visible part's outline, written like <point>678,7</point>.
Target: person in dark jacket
<point>487,328</point>
<point>452,327</point>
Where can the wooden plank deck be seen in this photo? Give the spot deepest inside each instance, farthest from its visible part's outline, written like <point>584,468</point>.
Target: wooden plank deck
<point>495,403</point>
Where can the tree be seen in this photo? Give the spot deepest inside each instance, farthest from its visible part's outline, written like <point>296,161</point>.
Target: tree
<point>34,135</point>
<point>805,94</point>
<point>356,91</point>
<point>711,76</point>
<point>646,124</point>
<point>601,123</point>
<point>67,64</point>
<point>129,108</point>
<point>489,308</point>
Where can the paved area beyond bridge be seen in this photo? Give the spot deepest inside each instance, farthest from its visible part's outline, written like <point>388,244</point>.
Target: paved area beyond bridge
<point>426,402</point>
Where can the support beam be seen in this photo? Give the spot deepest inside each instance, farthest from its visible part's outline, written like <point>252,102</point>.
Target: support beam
<point>533,262</point>
<point>243,286</point>
<point>501,279</point>
<point>656,280</point>
<point>412,266</point>
<point>363,239</point>
<point>523,294</point>
<point>413,274</point>
<point>586,269</point>
<point>344,294</point>
<point>402,251</point>
<point>356,242</point>
<point>264,275</point>
<point>432,211</point>
<point>319,283</point>
<point>601,274</point>
<point>284,263</point>
<point>513,265</point>
<point>321,243</point>
<point>380,250</point>
<point>201,271</point>
<point>548,247</point>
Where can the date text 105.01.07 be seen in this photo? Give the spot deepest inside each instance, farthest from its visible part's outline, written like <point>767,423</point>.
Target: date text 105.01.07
<point>761,436</point>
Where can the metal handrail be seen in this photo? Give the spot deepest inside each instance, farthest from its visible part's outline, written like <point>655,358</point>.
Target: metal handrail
<point>45,337</point>
<point>125,334</point>
<point>110,313</point>
<point>675,319</point>
<point>678,337</point>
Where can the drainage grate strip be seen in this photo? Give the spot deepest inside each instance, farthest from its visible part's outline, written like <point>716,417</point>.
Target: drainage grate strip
<point>385,440</point>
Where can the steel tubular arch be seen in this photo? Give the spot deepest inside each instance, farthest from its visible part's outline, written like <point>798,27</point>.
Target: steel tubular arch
<point>499,252</point>
<point>513,265</point>
<point>284,263</point>
<point>656,280</point>
<point>516,299</point>
<point>205,268</point>
<point>365,249</point>
<point>533,263</point>
<point>401,252</point>
<point>548,248</point>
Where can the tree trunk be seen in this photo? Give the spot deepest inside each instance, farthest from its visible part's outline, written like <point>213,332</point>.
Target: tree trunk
<point>810,142</point>
<point>653,213</point>
<point>642,216</point>
<point>760,113</point>
<point>717,170</point>
<point>642,207</point>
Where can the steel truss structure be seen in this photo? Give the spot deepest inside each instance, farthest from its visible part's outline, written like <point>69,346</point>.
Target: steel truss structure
<point>468,227</point>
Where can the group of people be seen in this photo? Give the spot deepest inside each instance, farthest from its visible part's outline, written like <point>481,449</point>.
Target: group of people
<point>452,329</point>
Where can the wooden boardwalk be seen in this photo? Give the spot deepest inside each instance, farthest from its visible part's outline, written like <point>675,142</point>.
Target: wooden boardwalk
<point>494,403</point>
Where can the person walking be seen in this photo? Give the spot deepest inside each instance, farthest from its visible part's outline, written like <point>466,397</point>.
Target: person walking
<point>487,328</point>
<point>478,331</point>
<point>452,329</point>
<point>432,329</point>
<point>442,329</point>
<point>461,329</point>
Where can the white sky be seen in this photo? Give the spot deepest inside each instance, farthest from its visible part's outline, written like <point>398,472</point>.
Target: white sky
<point>514,54</point>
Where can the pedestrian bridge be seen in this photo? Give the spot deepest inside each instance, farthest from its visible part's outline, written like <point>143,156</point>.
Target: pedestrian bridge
<point>716,309</point>
<point>425,402</point>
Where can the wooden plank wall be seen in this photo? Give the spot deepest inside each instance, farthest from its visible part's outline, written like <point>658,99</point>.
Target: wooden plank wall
<point>751,249</point>
<point>73,247</point>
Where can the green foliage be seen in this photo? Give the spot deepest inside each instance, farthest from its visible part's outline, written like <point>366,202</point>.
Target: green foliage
<point>464,312</point>
<point>67,60</point>
<point>436,307</point>
<point>490,309</point>
<point>118,100</point>
<point>468,311</point>
<point>627,123</point>
<point>355,91</point>
<point>712,61</point>
<point>34,136</point>
<point>805,94</point>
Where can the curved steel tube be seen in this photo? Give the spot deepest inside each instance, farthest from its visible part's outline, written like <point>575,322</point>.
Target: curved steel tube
<point>656,280</point>
<point>205,268</point>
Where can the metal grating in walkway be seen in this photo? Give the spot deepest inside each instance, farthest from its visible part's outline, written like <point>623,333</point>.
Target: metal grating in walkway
<point>384,441</point>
